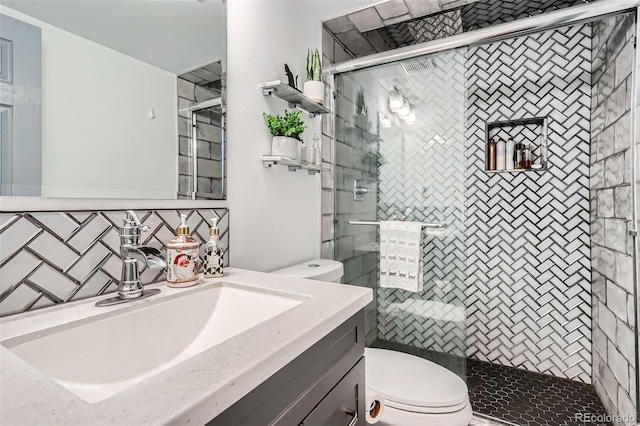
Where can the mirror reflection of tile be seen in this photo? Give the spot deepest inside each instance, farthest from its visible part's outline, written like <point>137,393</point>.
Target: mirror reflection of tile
<point>194,87</point>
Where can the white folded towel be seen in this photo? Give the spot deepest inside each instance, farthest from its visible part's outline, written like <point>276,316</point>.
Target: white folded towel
<point>401,255</point>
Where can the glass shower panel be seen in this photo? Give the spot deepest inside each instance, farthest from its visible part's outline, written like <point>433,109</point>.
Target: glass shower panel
<point>400,135</point>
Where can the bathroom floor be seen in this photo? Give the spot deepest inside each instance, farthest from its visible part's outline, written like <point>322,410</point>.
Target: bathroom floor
<point>515,396</point>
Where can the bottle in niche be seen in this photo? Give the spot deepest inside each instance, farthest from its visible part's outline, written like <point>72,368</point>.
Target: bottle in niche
<point>501,148</point>
<point>214,253</point>
<point>526,157</point>
<point>183,259</point>
<point>519,152</point>
<point>492,155</point>
<point>509,155</point>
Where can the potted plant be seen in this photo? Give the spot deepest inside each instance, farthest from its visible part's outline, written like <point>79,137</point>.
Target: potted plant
<point>313,87</point>
<point>286,132</point>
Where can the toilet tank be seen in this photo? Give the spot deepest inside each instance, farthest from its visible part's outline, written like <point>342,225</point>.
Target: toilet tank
<point>316,269</point>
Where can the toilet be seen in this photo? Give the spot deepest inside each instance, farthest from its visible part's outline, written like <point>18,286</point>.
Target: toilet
<point>416,392</point>
<point>316,269</point>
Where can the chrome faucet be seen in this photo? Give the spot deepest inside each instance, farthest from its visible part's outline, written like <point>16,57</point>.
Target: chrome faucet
<point>130,286</point>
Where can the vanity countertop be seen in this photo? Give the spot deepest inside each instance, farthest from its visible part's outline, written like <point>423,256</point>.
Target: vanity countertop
<point>192,392</point>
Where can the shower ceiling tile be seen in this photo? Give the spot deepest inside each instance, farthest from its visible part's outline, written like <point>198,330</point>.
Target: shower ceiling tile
<point>419,8</point>
<point>339,25</point>
<point>392,9</point>
<point>356,43</point>
<point>366,20</point>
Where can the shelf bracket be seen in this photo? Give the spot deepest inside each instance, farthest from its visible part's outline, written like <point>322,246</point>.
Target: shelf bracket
<point>294,168</point>
<point>268,91</point>
<point>313,172</point>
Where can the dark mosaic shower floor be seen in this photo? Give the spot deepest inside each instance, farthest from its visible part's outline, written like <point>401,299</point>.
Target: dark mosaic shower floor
<point>517,396</point>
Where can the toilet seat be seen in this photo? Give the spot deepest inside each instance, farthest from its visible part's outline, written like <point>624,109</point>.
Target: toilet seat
<point>414,384</point>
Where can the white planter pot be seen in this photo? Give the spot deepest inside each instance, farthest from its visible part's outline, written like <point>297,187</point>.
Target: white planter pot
<point>314,90</point>
<point>284,147</point>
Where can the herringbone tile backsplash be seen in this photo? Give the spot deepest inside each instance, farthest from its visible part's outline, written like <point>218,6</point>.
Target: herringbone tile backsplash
<point>56,257</point>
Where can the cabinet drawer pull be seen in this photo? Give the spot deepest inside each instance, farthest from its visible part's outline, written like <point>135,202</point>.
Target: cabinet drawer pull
<point>354,420</point>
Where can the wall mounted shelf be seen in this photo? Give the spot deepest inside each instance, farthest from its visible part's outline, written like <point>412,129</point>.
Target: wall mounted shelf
<point>294,97</point>
<point>293,165</point>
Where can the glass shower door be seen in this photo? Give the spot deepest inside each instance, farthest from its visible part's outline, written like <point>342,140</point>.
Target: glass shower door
<point>400,155</point>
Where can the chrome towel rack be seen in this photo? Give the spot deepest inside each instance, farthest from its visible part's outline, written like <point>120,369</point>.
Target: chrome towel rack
<point>424,225</point>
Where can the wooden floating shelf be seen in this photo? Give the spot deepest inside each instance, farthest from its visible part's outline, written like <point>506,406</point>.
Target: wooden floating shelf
<point>294,97</point>
<point>293,165</point>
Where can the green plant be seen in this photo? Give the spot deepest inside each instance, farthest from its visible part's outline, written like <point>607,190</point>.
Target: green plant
<point>314,66</point>
<point>290,125</point>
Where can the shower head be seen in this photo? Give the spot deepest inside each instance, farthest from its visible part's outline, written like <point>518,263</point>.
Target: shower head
<point>413,66</point>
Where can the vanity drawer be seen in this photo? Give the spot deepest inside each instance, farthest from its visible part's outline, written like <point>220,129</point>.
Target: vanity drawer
<point>340,406</point>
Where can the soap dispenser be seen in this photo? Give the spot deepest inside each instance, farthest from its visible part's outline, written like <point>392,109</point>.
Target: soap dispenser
<point>214,253</point>
<point>183,258</point>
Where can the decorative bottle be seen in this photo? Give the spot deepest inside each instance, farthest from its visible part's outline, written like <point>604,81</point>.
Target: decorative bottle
<point>519,161</point>
<point>183,258</point>
<point>316,148</point>
<point>509,155</point>
<point>214,253</point>
<point>492,155</point>
<point>527,157</point>
<point>501,148</point>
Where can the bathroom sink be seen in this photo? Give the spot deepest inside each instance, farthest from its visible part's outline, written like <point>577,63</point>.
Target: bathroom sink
<point>98,357</point>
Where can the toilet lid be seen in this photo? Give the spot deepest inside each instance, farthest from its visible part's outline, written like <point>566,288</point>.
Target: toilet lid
<point>408,380</point>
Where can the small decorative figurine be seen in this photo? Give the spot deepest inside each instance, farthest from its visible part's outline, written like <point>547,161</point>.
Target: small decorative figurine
<point>292,82</point>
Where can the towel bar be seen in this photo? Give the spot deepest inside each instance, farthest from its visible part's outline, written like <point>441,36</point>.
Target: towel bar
<point>424,225</point>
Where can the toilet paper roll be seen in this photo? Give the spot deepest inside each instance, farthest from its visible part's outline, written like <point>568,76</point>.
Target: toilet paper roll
<point>374,406</point>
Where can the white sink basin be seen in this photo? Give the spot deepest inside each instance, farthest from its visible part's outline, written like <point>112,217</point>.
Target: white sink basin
<point>98,357</point>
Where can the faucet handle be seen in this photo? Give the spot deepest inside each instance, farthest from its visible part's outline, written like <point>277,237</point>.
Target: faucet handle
<point>132,221</point>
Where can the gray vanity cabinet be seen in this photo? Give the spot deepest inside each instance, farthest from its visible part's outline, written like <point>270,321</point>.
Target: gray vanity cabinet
<point>322,387</point>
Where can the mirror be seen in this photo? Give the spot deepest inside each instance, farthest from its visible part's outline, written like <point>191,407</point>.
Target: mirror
<point>112,99</point>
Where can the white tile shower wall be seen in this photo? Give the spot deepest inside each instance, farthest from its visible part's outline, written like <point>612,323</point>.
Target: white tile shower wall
<point>611,214</point>
<point>355,245</point>
<point>56,257</point>
<point>528,257</point>
<point>423,179</point>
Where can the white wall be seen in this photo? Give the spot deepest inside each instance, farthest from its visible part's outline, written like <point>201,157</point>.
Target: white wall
<point>174,35</point>
<point>275,214</point>
<point>95,104</point>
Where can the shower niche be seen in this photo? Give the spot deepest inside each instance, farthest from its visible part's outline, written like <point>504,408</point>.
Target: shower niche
<point>533,131</point>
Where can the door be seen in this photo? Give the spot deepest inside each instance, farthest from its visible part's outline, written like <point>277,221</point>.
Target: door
<point>20,108</point>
